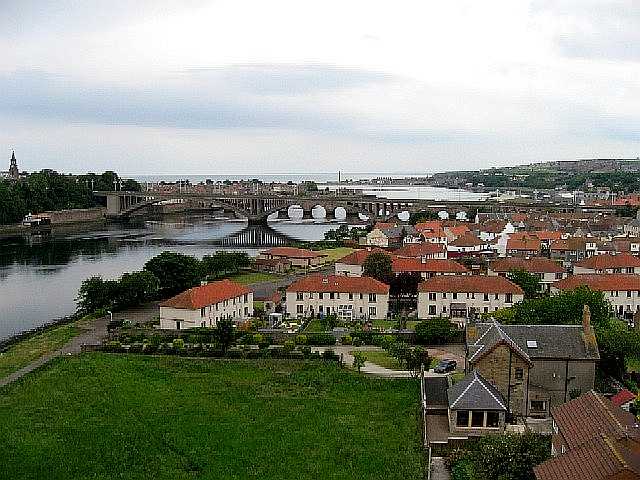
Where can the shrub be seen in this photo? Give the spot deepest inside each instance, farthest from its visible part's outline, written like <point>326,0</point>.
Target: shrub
<point>435,331</point>
<point>289,345</point>
<point>257,339</point>
<point>358,360</point>
<point>329,355</point>
<point>321,339</point>
<point>113,346</point>
<point>347,340</point>
<point>136,348</point>
<point>357,342</point>
<point>301,340</point>
<point>178,344</point>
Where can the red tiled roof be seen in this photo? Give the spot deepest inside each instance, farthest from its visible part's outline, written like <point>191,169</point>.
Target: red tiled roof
<point>531,265</point>
<point>571,243</point>
<point>359,256</point>
<point>602,282</point>
<point>622,397</point>
<point>439,265</point>
<point>338,283</point>
<point>598,262</point>
<point>526,243</point>
<point>420,249</point>
<point>291,252</point>
<point>467,240</point>
<point>384,225</point>
<point>214,292</point>
<point>547,234</point>
<point>457,230</point>
<point>432,225</point>
<point>469,284</point>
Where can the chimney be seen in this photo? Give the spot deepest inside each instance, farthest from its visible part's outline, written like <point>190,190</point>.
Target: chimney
<point>586,319</point>
<point>588,334</point>
<point>472,331</point>
<point>636,321</point>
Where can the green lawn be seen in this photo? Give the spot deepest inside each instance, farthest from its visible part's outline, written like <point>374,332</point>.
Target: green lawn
<point>334,254</point>
<point>387,324</point>
<point>103,416</point>
<point>314,326</point>
<point>254,277</point>
<point>382,358</point>
<point>633,364</point>
<point>23,353</point>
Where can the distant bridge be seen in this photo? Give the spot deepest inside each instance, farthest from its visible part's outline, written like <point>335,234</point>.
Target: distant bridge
<point>256,208</point>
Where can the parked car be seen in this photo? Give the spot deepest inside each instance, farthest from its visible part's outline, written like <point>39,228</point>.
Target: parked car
<point>445,366</point>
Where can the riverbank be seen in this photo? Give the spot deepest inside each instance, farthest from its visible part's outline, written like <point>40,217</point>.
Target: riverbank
<point>62,221</point>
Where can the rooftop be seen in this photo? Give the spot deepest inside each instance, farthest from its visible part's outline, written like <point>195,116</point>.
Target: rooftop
<point>209,294</point>
<point>338,283</point>
<point>474,392</point>
<point>602,282</point>
<point>469,284</point>
<point>529,264</point>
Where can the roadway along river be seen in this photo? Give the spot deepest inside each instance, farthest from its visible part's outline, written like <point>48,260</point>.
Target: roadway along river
<point>39,279</point>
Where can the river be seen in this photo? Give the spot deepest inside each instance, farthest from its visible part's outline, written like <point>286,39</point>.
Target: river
<point>39,278</point>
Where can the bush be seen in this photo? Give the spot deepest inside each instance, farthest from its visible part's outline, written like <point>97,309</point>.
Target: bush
<point>301,340</point>
<point>329,355</point>
<point>289,345</point>
<point>357,342</point>
<point>257,339</point>
<point>435,331</point>
<point>347,340</point>
<point>112,346</point>
<point>178,344</point>
<point>321,339</point>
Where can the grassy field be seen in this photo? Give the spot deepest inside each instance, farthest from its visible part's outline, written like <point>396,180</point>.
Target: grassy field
<point>334,254</point>
<point>23,353</point>
<point>105,416</point>
<point>382,358</point>
<point>254,277</point>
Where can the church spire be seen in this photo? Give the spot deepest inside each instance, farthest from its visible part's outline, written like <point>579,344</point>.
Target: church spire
<point>13,167</point>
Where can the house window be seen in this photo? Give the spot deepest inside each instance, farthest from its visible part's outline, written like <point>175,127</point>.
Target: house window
<point>361,297</point>
<point>432,309</point>
<point>372,297</point>
<point>496,296</point>
<point>455,295</point>
<point>246,298</point>
<point>559,276</point>
<point>508,298</point>
<point>246,311</point>
<point>493,419</point>
<point>321,295</point>
<point>299,296</point>
<point>538,405</point>
<point>332,295</point>
<point>432,296</point>
<point>300,308</point>
<point>320,308</point>
<point>372,311</point>
<point>462,418</point>
<point>351,296</point>
<point>519,373</point>
<point>486,297</point>
<point>486,309</point>
<point>203,311</point>
<point>477,419</point>
<point>444,294</point>
<point>628,293</point>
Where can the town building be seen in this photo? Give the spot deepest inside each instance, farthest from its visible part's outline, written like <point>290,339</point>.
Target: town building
<point>13,173</point>
<point>467,245</point>
<point>523,245</point>
<point>608,263</point>
<point>592,439</point>
<point>352,265</point>
<point>425,250</point>
<point>547,270</point>
<point>350,298</point>
<point>463,296</point>
<point>205,305</point>
<point>534,367</point>
<point>427,268</point>
<point>573,249</point>
<point>298,257</point>
<point>622,290</point>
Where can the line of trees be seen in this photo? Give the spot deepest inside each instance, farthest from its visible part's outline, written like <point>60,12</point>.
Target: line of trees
<point>50,190</point>
<point>164,275</point>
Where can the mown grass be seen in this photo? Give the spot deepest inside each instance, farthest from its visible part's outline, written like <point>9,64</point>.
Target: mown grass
<point>633,364</point>
<point>334,254</point>
<point>254,277</point>
<point>105,416</point>
<point>26,351</point>
<point>382,358</point>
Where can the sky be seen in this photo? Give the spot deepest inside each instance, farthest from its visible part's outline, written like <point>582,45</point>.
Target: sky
<point>233,87</point>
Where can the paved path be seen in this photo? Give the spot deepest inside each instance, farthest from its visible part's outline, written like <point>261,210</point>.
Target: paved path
<point>439,470</point>
<point>94,332</point>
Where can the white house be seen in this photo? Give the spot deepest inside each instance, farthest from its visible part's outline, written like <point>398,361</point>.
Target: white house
<point>622,290</point>
<point>203,306</point>
<point>608,263</point>
<point>350,298</point>
<point>461,296</point>
<point>352,265</point>
<point>547,270</point>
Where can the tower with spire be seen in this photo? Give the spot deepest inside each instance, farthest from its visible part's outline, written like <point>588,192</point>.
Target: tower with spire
<point>13,167</point>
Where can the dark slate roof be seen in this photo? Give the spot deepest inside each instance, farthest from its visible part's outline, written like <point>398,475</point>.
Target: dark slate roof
<point>435,390</point>
<point>474,392</point>
<point>552,341</point>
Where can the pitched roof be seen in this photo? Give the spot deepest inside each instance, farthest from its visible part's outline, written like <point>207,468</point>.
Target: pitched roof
<point>600,458</point>
<point>338,283</point>
<point>526,242</point>
<point>547,234</point>
<point>590,415</point>
<point>551,341</point>
<point>474,392</point>
<point>209,294</point>
<point>530,264</point>
<point>469,284</point>
<point>467,240</point>
<point>432,225</point>
<point>602,282</point>
<point>436,265</point>
<point>292,252</point>
<point>622,397</point>
<point>601,262</point>
<point>420,249</point>
<point>359,256</point>
<point>570,244</point>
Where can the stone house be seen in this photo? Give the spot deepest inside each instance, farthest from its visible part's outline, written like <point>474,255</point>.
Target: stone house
<point>205,305</point>
<point>534,367</point>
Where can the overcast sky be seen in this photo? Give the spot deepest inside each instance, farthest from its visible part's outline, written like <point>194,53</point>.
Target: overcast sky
<point>214,87</point>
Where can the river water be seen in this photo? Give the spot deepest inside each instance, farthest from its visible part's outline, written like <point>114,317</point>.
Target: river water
<point>39,278</point>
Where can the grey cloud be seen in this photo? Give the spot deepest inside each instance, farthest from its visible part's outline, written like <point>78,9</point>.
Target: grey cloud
<point>604,29</point>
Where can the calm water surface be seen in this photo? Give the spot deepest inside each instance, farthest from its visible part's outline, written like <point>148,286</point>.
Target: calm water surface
<point>39,278</point>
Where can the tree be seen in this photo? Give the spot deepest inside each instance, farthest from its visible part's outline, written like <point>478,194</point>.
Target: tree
<point>616,342</point>
<point>405,285</point>
<point>96,294</point>
<point>174,271</point>
<point>434,331</point>
<point>415,358</point>
<point>422,216</point>
<point>378,265</point>
<point>528,282</point>
<point>135,289</point>
<point>359,359</point>
<point>224,333</point>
